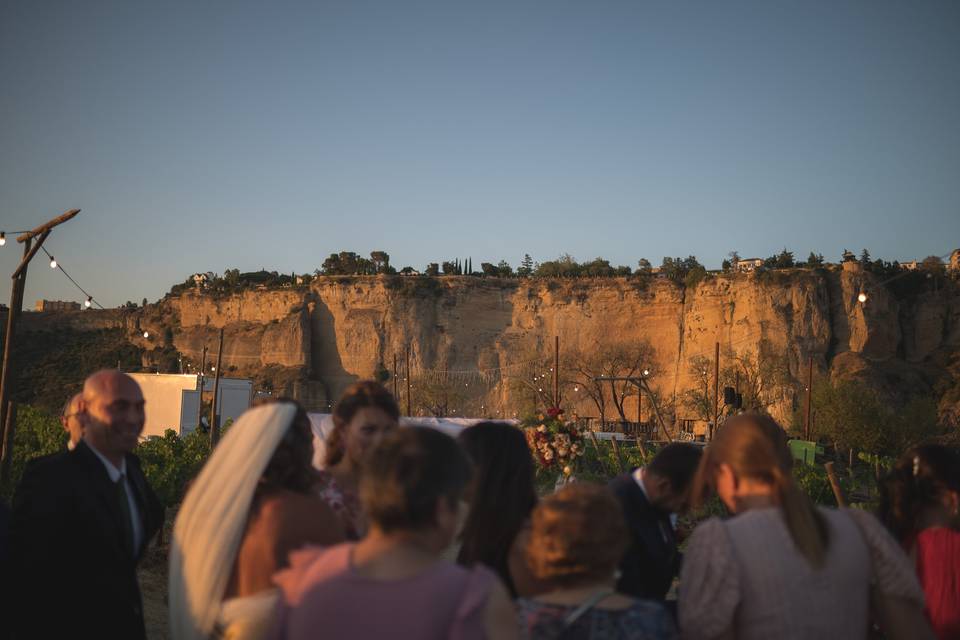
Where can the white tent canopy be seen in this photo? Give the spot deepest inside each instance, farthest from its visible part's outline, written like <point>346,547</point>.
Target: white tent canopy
<point>322,424</point>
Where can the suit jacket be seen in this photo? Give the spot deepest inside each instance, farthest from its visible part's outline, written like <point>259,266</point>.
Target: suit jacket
<point>651,561</point>
<point>71,573</point>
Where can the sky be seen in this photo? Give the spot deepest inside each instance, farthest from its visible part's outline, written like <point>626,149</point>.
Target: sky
<point>202,136</point>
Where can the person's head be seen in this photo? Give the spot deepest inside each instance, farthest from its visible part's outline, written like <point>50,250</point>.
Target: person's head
<point>749,457</point>
<point>412,482</point>
<point>291,465</point>
<point>365,413</point>
<point>668,476</point>
<point>578,536</point>
<point>70,418</point>
<point>112,410</point>
<point>922,489</point>
<point>501,495</point>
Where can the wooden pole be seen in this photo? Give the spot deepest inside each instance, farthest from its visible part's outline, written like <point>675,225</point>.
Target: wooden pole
<point>616,452</point>
<point>656,411</point>
<point>214,418</point>
<point>596,446</point>
<point>203,365</point>
<point>835,485</point>
<point>409,413</point>
<point>806,418</point>
<point>556,371</point>
<point>7,375</point>
<point>395,390</point>
<point>8,431</point>
<point>716,390</point>
<point>13,315</point>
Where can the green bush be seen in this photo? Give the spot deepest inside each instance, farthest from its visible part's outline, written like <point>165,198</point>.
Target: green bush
<point>170,462</point>
<point>38,433</point>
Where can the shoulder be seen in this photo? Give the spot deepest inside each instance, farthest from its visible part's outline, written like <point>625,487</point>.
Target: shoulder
<point>293,518</point>
<point>892,573</point>
<point>309,566</point>
<point>709,582</point>
<point>622,484</point>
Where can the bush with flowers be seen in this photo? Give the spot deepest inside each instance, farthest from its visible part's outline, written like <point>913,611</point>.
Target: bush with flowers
<point>556,443</point>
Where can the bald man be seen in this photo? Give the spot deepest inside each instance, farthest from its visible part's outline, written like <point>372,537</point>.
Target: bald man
<point>81,521</point>
<point>70,419</point>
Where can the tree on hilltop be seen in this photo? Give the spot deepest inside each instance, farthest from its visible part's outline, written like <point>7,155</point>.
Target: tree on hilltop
<point>525,270</point>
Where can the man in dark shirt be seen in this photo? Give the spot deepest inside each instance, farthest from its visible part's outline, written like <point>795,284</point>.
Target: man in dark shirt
<point>97,497</point>
<point>651,496</point>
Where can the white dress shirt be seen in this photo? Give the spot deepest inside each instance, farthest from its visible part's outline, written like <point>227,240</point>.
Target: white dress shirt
<point>115,475</point>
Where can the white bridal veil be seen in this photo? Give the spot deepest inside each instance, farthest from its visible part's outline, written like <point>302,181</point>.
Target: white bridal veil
<point>213,517</point>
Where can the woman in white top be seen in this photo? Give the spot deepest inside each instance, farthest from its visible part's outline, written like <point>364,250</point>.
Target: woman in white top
<point>781,567</point>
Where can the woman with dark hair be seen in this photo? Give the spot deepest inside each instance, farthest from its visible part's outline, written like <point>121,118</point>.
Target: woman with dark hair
<point>501,497</point>
<point>365,413</point>
<point>252,504</point>
<point>577,538</point>
<point>781,567</point>
<point>919,503</point>
<point>394,583</point>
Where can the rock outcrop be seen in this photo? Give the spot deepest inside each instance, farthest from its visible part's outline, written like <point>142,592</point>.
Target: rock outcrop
<point>311,342</point>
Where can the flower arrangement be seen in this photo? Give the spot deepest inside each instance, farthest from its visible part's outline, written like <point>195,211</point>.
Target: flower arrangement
<point>554,442</point>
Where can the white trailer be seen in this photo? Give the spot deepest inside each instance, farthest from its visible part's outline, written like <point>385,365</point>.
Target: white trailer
<point>172,400</point>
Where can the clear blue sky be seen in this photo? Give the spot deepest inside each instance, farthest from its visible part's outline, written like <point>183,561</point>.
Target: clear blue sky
<point>207,135</point>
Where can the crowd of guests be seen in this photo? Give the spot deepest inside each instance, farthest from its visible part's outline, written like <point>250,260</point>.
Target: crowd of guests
<point>409,533</point>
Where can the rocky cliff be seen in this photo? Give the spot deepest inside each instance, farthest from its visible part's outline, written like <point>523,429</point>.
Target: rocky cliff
<point>310,342</point>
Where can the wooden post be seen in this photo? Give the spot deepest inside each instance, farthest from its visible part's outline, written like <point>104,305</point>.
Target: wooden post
<point>409,413</point>
<point>716,390</point>
<point>656,411</point>
<point>556,371</point>
<point>835,485</point>
<point>395,390</point>
<point>214,418</point>
<point>616,452</point>
<point>806,418</point>
<point>596,446</point>
<point>203,365</point>
<point>9,427</point>
<point>7,375</point>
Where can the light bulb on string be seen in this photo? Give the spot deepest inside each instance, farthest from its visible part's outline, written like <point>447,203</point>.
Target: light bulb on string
<point>3,238</point>
<point>146,334</point>
<point>53,262</point>
<point>88,302</point>
<point>646,372</point>
<point>862,297</point>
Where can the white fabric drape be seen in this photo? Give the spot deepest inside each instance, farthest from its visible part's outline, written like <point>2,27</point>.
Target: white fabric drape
<point>213,517</point>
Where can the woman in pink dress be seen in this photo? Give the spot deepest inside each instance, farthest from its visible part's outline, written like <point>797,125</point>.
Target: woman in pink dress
<point>919,503</point>
<point>364,414</point>
<point>394,582</point>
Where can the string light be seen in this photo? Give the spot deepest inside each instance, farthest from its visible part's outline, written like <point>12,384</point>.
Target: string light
<point>3,236</point>
<point>862,297</point>
<point>89,302</point>
<point>146,334</point>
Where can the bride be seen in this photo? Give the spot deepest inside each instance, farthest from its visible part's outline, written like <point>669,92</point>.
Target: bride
<point>251,505</point>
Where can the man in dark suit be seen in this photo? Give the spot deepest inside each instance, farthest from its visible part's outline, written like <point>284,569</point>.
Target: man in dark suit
<point>650,497</point>
<point>81,521</point>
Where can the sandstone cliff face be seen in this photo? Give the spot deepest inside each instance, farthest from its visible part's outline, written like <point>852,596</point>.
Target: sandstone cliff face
<point>312,342</point>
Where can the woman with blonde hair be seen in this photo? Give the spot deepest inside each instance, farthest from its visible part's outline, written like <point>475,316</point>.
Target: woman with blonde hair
<point>782,567</point>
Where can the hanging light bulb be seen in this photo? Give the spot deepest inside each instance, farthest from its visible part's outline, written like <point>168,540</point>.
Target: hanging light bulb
<point>862,297</point>
<point>3,238</point>
<point>53,262</point>
<point>146,334</point>
<point>88,302</point>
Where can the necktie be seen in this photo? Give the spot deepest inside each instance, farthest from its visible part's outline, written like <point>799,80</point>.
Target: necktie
<point>125,515</point>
